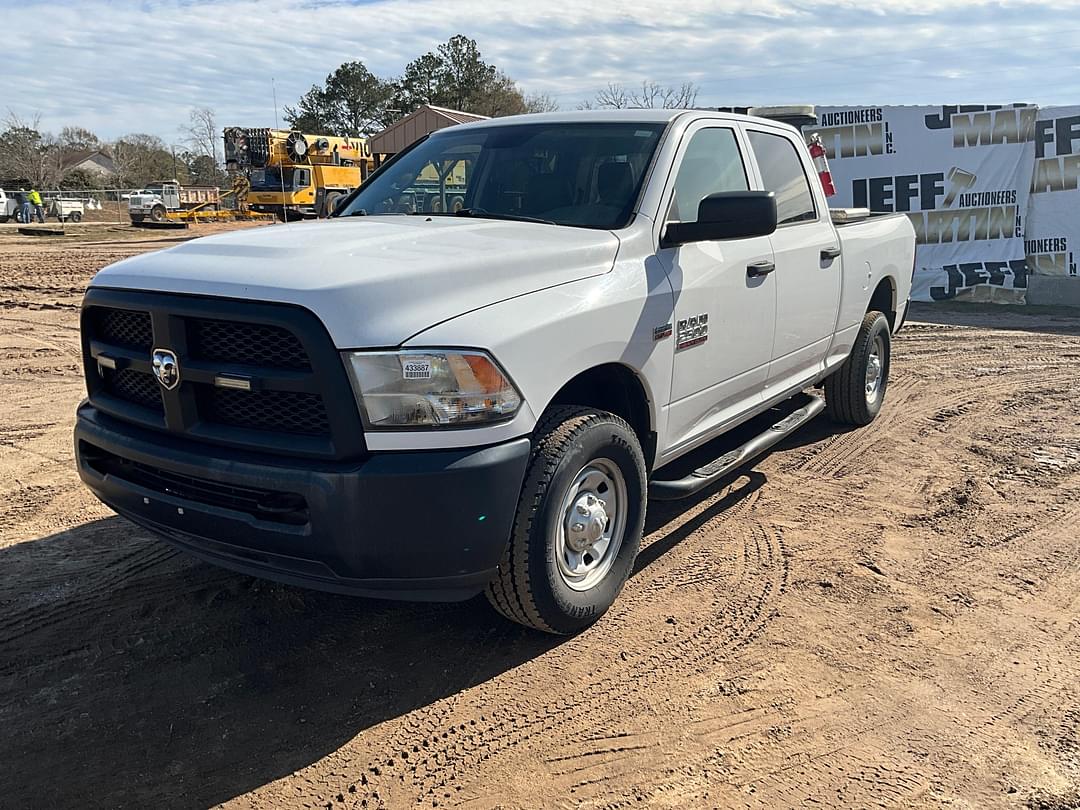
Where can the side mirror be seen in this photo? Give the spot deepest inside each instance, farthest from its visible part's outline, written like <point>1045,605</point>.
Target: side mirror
<point>726,215</point>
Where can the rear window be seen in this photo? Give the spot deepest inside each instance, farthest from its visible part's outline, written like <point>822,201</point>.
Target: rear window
<point>783,173</point>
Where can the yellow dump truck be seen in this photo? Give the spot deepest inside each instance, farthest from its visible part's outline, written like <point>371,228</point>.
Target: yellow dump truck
<point>296,175</point>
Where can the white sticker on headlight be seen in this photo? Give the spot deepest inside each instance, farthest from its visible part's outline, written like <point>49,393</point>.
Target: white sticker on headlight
<point>416,369</point>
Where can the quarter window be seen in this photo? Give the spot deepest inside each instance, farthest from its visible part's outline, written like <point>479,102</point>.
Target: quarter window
<point>783,174</point>
<point>711,164</point>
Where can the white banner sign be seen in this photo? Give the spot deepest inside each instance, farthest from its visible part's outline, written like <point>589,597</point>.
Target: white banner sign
<point>961,174</point>
<point>1053,224</point>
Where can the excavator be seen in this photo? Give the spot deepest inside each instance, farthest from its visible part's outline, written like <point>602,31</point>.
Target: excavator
<point>294,175</point>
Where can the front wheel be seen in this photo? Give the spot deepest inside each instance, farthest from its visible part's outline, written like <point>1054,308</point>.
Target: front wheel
<point>855,391</point>
<point>578,524</point>
<point>157,213</point>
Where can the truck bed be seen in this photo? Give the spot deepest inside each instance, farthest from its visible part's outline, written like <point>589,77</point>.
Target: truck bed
<point>874,246</point>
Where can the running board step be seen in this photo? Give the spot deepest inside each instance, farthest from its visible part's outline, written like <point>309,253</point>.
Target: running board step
<point>712,472</point>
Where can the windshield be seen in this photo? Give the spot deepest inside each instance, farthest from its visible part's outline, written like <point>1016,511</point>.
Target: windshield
<point>586,175</point>
<point>271,179</point>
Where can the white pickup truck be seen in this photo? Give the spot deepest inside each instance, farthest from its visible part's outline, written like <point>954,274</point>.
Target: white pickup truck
<point>431,405</point>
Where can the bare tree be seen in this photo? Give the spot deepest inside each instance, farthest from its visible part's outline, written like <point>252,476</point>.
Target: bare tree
<point>78,139</point>
<point>201,132</point>
<point>27,154</point>
<point>540,103</point>
<point>141,159</point>
<point>651,95</point>
<point>666,97</point>
<point>612,97</point>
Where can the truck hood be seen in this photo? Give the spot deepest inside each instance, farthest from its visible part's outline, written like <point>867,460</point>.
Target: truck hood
<point>374,281</point>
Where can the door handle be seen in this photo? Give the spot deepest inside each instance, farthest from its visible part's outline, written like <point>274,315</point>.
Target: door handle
<point>758,269</point>
<point>829,253</point>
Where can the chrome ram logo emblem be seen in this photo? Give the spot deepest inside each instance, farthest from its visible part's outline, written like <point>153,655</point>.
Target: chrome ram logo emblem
<point>166,368</point>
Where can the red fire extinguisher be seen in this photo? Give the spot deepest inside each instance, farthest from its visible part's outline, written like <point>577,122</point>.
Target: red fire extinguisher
<point>817,152</point>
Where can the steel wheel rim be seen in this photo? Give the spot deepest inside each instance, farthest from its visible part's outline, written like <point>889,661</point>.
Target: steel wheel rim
<point>592,523</point>
<point>875,366</point>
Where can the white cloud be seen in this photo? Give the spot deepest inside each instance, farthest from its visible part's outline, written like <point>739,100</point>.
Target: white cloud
<point>118,67</point>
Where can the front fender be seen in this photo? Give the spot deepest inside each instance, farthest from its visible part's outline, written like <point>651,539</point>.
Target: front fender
<point>546,338</point>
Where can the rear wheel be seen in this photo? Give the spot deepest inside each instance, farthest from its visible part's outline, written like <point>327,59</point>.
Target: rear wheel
<point>75,216</point>
<point>331,202</point>
<point>578,525</point>
<point>855,391</point>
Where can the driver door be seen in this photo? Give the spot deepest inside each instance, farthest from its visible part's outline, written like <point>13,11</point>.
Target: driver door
<point>725,313</point>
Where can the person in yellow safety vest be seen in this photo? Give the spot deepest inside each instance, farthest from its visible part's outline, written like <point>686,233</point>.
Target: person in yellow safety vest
<point>35,200</point>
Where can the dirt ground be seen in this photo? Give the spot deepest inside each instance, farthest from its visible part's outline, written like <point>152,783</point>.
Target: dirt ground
<point>888,616</point>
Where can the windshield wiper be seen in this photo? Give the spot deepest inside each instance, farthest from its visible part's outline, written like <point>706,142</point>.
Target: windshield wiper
<point>483,213</point>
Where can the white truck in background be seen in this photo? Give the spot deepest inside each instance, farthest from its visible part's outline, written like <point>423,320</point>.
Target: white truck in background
<point>436,404</point>
<point>156,202</point>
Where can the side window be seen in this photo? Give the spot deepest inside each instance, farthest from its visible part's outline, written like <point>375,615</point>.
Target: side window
<point>711,164</point>
<point>302,179</point>
<point>783,173</point>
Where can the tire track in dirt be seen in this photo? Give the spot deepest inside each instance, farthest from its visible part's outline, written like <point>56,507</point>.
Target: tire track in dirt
<point>835,454</point>
<point>754,572</point>
<point>438,732</point>
<point>65,603</point>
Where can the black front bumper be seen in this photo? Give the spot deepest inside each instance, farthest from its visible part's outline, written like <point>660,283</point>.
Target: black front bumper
<point>407,525</point>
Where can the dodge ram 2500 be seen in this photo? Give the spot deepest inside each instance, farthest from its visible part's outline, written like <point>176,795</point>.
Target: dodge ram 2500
<point>482,395</point>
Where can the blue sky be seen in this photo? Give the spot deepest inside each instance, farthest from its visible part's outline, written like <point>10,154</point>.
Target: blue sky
<point>119,67</point>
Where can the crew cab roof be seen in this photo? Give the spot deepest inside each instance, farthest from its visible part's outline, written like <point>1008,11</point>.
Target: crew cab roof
<point>643,116</point>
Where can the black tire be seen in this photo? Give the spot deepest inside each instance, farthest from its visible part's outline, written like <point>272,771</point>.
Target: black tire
<point>529,587</point>
<point>847,400</point>
<point>136,217</point>
<point>75,216</point>
<point>157,213</point>
<point>330,202</point>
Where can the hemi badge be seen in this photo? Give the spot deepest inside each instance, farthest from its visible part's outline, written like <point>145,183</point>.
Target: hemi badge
<point>240,383</point>
<point>661,332</point>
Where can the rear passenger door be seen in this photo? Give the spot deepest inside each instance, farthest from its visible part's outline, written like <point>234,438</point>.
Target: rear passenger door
<point>723,318</point>
<point>807,274</point>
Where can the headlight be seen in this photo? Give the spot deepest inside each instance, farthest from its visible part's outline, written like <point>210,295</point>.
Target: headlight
<point>430,388</point>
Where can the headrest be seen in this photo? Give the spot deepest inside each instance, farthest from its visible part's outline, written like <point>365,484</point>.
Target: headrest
<point>615,181</point>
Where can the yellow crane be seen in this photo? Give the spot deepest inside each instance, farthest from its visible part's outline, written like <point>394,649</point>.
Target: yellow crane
<point>295,175</point>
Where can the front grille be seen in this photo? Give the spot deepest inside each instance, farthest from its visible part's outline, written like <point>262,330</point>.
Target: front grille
<point>289,411</point>
<point>124,327</point>
<point>264,504</point>
<point>299,400</point>
<point>134,386</point>
<point>249,343</point>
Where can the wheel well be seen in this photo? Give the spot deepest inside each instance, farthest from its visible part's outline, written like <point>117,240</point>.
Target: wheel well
<point>614,388</point>
<point>884,300</point>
